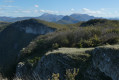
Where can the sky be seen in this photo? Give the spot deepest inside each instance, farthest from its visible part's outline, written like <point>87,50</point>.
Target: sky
<point>25,8</point>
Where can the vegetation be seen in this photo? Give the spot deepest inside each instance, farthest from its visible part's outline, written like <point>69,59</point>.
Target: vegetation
<point>92,33</point>
<point>13,38</point>
<point>70,74</point>
<point>95,34</point>
<point>3,25</point>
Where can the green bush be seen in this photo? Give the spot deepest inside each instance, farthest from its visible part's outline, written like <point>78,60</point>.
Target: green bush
<point>55,76</point>
<point>70,74</point>
<point>65,42</point>
<point>55,46</point>
<point>113,40</point>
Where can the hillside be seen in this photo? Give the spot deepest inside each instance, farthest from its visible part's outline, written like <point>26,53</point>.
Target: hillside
<point>38,49</point>
<point>80,37</point>
<point>17,36</point>
<point>3,25</point>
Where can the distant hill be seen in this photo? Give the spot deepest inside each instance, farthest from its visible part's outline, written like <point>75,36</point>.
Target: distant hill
<point>50,17</point>
<point>11,19</point>
<point>3,25</point>
<point>74,18</point>
<point>67,20</point>
<point>113,18</point>
<point>82,17</point>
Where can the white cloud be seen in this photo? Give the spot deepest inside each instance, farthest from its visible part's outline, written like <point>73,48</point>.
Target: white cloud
<point>1,8</point>
<point>36,6</point>
<point>22,11</point>
<point>103,12</point>
<point>49,11</point>
<point>36,11</point>
<point>7,6</point>
<point>102,9</point>
<point>72,9</point>
<point>26,11</point>
<point>9,1</point>
<point>88,11</point>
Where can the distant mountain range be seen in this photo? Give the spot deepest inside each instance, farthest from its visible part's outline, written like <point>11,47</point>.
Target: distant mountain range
<point>61,19</point>
<point>45,17</point>
<point>53,18</point>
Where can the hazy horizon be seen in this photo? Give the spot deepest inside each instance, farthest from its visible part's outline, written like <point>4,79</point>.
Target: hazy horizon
<point>33,8</point>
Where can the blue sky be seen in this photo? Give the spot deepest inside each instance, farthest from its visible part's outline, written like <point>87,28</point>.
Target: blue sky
<point>20,8</point>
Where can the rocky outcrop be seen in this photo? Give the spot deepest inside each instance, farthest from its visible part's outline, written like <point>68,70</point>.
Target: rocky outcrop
<point>57,62</point>
<point>100,63</point>
<point>106,59</point>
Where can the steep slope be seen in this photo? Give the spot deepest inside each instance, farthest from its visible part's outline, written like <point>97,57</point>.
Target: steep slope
<point>18,35</point>
<point>67,20</point>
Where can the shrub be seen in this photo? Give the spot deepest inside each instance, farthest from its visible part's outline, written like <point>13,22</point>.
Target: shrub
<point>55,46</point>
<point>55,76</point>
<point>71,74</point>
<point>64,42</point>
<point>113,40</point>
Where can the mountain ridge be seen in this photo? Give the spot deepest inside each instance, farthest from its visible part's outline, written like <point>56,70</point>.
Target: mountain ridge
<point>49,17</point>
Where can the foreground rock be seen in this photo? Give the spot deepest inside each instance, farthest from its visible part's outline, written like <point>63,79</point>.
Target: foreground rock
<point>100,63</point>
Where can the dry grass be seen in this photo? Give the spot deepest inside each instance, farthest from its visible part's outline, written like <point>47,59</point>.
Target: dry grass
<point>74,51</point>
